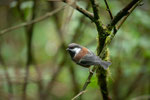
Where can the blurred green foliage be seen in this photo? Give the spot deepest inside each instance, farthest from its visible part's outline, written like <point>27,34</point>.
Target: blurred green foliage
<point>129,52</point>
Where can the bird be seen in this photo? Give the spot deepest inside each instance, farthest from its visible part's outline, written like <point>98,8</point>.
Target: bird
<point>84,57</point>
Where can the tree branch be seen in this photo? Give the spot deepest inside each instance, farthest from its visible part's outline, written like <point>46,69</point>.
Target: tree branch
<point>110,13</point>
<point>129,12</point>
<point>120,24</point>
<point>122,13</point>
<point>95,9</point>
<point>101,73</point>
<point>85,12</point>
<point>99,26</point>
<point>101,42</point>
<point>47,15</point>
<point>100,31</point>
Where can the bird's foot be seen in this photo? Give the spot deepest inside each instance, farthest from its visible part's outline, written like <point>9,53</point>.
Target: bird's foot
<point>90,71</point>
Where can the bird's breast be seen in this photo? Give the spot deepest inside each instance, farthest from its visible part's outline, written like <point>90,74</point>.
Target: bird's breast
<point>81,54</point>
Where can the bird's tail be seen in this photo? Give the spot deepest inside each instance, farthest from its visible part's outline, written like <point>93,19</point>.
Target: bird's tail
<point>105,64</point>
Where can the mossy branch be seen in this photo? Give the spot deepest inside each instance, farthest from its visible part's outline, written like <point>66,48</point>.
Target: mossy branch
<point>102,35</point>
<point>105,36</point>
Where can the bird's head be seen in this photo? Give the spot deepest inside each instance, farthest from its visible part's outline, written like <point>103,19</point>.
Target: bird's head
<point>74,49</point>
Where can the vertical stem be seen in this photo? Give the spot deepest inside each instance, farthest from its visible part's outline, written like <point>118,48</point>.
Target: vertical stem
<point>29,59</point>
<point>102,34</point>
<point>29,33</point>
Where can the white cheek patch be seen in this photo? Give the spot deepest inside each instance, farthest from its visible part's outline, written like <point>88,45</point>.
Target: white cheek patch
<point>76,50</point>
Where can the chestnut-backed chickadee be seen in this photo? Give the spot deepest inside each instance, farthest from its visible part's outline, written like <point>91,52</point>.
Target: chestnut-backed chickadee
<point>85,57</point>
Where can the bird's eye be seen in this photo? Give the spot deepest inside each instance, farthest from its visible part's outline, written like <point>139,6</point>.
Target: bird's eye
<point>71,47</point>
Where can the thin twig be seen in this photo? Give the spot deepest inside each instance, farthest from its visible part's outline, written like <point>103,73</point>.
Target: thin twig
<point>108,9</point>
<point>78,95</point>
<point>110,13</point>
<point>47,15</point>
<point>88,79</point>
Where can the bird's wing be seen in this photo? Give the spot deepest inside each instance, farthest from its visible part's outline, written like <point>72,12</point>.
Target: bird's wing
<point>90,59</point>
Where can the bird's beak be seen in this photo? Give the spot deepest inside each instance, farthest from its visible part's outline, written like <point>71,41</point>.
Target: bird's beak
<point>67,49</point>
